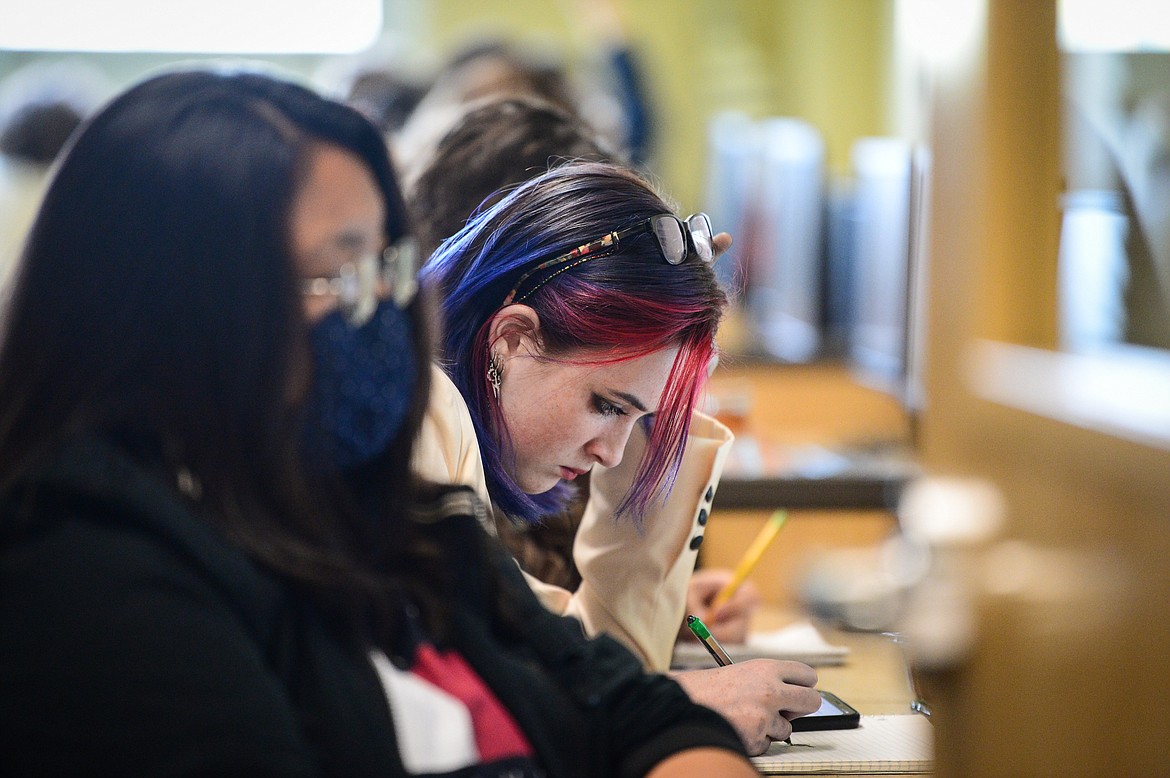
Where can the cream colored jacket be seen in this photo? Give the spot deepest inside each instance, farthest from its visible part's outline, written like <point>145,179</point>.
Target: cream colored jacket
<point>633,584</point>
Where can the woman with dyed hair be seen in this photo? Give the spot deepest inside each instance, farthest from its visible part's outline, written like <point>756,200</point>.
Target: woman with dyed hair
<point>214,559</point>
<point>579,320</point>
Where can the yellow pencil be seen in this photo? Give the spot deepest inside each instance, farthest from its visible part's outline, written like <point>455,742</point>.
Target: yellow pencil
<point>751,557</point>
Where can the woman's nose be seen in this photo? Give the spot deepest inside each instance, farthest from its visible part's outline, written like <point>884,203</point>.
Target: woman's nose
<point>607,448</point>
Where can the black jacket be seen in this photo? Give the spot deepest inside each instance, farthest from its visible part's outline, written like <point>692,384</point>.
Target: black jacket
<point>134,640</point>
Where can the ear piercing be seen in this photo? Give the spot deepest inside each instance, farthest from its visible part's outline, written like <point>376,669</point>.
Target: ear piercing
<point>493,374</point>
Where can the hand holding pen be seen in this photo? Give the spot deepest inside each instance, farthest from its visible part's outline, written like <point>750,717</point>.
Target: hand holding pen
<point>713,647</point>
<point>708,640</point>
<point>757,696</point>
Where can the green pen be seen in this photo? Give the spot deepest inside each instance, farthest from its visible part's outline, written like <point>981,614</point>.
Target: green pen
<point>708,640</point>
<point>712,645</point>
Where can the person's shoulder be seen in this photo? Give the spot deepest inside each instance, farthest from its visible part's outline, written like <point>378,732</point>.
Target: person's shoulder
<point>67,555</point>
<point>444,393</point>
<point>447,415</point>
<point>93,518</point>
<point>704,426</point>
<point>447,447</point>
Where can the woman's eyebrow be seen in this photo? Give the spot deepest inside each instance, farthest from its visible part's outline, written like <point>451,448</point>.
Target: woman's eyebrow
<point>631,400</point>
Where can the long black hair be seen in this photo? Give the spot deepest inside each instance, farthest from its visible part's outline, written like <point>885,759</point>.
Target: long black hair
<point>157,304</point>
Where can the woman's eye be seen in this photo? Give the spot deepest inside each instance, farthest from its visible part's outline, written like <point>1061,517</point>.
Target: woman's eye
<point>606,408</point>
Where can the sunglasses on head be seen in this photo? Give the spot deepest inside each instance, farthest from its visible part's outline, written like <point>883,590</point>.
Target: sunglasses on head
<point>676,240</point>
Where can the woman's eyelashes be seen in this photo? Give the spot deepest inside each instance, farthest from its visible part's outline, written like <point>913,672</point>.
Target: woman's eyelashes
<point>606,407</point>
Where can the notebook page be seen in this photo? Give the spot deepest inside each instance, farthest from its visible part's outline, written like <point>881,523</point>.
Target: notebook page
<point>902,743</point>
<point>799,641</point>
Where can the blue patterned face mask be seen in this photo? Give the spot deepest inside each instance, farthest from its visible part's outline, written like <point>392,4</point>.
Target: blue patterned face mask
<point>363,381</point>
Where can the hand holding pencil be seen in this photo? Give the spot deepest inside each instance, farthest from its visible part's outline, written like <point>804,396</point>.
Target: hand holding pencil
<point>752,556</point>
<point>731,621</point>
<point>724,599</point>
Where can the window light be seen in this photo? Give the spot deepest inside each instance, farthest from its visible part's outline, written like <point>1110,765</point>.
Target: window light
<point>1119,25</point>
<point>192,26</point>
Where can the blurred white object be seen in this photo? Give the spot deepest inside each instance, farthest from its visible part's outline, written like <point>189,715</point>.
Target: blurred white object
<point>863,588</point>
<point>918,583</point>
<point>948,512</point>
<point>733,148</point>
<point>785,284</point>
<point>1092,270</point>
<point>954,518</point>
<point>881,251</point>
<point>765,185</point>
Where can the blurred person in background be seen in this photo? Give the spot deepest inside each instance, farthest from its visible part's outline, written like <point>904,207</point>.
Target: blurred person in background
<point>1145,167</point>
<point>496,143</point>
<point>385,97</point>
<point>481,69</point>
<point>41,106</point>
<point>605,91</point>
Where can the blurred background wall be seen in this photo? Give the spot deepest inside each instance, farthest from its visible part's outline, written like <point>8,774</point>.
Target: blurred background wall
<point>827,61</point>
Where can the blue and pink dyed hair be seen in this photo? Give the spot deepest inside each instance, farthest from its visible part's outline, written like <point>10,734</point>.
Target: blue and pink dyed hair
<point>625,305</point>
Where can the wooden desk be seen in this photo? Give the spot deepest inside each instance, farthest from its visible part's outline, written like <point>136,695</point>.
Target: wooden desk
<point>874,678</point>
<point>794,408</point>
<point>809,437</point>
<point>793,405</point>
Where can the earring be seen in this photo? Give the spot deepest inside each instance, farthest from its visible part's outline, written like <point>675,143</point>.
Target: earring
<point>493,375</point>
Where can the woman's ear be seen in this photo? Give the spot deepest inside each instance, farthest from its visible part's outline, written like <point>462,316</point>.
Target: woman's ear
<point>514,330</point>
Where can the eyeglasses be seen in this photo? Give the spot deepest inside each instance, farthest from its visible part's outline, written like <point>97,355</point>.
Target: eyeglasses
<point>676,240</point>
<point>363,282</point>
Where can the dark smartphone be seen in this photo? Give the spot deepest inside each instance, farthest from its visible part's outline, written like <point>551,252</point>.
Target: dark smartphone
<point>834,713</point>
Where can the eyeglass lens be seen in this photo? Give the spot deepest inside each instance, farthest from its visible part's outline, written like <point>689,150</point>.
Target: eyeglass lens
<point>362,285</point>
<point>700,229</point>
<point>671,239</point>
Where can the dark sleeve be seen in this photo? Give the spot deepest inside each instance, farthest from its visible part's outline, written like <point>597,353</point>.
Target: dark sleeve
<point>634,719</point>
<point>117,658</point>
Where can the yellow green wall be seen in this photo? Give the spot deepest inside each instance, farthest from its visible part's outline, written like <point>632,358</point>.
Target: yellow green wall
<point>827,61</point>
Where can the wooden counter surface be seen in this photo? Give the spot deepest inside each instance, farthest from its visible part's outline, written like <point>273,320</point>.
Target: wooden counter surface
<point>873,679</point>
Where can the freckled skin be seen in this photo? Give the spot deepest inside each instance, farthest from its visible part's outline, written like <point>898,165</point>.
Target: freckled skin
<point>564,416</point>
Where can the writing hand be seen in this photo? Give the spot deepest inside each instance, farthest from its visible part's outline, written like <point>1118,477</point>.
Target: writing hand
<point>759,697</point>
